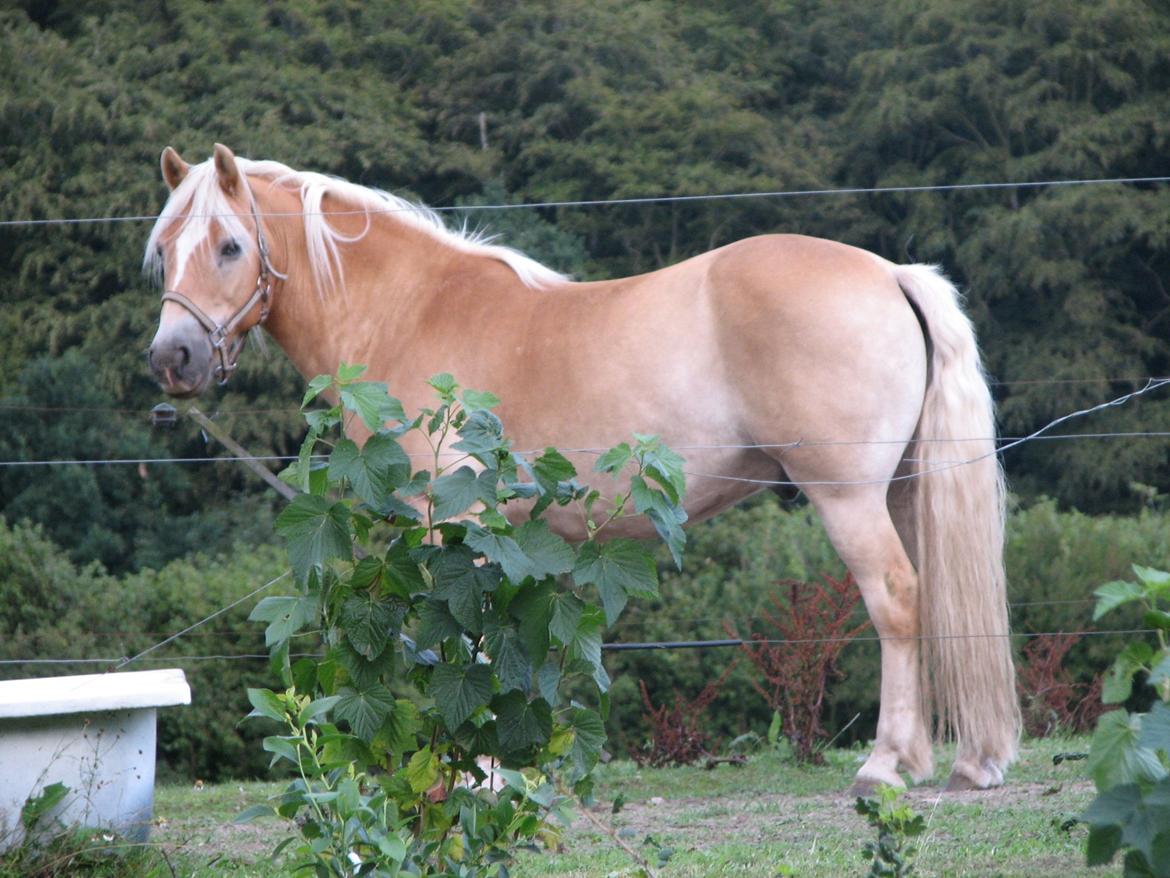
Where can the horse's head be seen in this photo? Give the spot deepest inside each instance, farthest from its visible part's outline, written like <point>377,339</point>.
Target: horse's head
<point>211,253</point>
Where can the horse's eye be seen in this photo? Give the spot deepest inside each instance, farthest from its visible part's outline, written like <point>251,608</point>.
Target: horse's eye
<point>229,249</point>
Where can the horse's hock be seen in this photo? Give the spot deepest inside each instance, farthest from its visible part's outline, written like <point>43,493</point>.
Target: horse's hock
<point>94,734</point>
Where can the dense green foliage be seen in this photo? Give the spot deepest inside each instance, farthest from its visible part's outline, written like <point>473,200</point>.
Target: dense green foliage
<point>419,583</point>
<point>1130,757</point>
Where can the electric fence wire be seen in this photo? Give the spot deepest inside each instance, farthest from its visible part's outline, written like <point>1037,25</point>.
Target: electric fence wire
<point>121,663</point>
<point>118,663</point>
<point>617,202</point>
<point>7,406</point>
<point>1151,384</point>
<point>691,622</point>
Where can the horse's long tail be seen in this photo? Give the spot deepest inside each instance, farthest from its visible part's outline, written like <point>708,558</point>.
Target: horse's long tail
<point>967,673</point>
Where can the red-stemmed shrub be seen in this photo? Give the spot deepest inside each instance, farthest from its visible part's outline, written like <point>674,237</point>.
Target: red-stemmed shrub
<point>1051,700</point>
<point>676,733</point>
<point>806,631</point>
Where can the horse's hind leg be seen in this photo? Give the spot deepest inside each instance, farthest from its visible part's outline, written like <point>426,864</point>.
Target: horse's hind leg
<point>859,525</point>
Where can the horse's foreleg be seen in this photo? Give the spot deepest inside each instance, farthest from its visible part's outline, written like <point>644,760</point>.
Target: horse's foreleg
<point>861,530</point>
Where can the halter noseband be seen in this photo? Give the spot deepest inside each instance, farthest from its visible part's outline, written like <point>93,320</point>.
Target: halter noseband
<point>218,333</point>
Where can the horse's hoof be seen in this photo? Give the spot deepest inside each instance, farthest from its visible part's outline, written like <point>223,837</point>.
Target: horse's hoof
<point>961,783</point>
<point>867,787</point>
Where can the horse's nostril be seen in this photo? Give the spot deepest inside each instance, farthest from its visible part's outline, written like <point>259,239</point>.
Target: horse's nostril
<point>185,355</point>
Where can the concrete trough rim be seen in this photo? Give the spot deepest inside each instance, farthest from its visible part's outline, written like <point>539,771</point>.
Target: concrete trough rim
<point>87,693</point>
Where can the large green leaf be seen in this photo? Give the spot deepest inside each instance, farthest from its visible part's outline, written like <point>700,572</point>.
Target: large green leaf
<point>1115,756</point>
<point>1156,728</point>
<point>458,691</point>
<point>551,468</point>
<point>401,575</point>
<point>666,517</point>
<point>1113,594</point>
<point>614,460</point>
<point>316,531</point>
<point>663,465</point>
<point>371,402</point>
<point>370,622</point>
<point>500,549</point>
<point>436,624</point>
<point>1103,844</point>
<point>267,704</point>
<point>423,770</point>
<point>479,401</point>
<point>399,731</point>
<point>1142,815</point>
<point>317,386</point>
<point>548,682</point>
<point>444,384</point>
<point>1119,681</point>
<point>457,492</point>
<point>509,657</point>
<point>533,551</point>
<point>482,434</point>
<point>285,615</point>
<point>374,470</point>
<point>461,582</point>
<point>547,553</point>
<point>586,645</point>
<point>565,617</point>
<point>521,723</point>
<point>619,569</point>
<point>361,670</point>
<point>365,710</point>
<point>588,738</point>
<point>533,609</point>
<point>1157,582</point>
<point>552,474</point>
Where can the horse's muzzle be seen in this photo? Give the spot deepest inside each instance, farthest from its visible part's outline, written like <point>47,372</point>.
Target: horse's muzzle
<point>180,358</point>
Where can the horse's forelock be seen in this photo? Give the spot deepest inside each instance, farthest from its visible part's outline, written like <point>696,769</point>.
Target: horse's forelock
<point>195,204</point>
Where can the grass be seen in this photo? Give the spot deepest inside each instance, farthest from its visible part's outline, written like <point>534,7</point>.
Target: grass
<point>765,819</point>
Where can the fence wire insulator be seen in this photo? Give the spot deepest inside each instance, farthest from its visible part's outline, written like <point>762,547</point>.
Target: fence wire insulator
<point>163,415</point>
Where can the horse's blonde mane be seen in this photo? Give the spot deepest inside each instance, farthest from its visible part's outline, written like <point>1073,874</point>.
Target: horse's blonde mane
<point>199,199</point>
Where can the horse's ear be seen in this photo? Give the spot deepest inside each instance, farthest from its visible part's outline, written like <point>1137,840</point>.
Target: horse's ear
<point>174,169</point>
<point>226,170</point>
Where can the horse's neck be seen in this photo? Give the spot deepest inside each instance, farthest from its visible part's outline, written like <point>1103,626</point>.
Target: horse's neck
<point>384,280</point>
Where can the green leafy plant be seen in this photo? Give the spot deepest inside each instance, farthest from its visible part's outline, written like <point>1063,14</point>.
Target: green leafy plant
<point>1129,759</point>
<point>892,854</point>
<point>433,737</point>
<point>37,808</point>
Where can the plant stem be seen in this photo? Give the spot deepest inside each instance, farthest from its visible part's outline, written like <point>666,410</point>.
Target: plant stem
<point>608,830</point>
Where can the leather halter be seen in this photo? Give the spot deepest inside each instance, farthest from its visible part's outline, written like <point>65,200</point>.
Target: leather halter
<point>218,333</point>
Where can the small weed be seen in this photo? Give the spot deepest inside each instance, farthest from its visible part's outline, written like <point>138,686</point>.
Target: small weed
<point>892,854</point>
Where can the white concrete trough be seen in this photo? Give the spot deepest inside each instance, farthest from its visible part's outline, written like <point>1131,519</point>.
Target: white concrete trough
<point>93,733</point>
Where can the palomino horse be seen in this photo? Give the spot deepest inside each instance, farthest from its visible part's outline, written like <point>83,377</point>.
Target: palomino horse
<point>774,359</point>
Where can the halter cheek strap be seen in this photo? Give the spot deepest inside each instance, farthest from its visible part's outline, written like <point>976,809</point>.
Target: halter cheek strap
<point>219,333</point>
